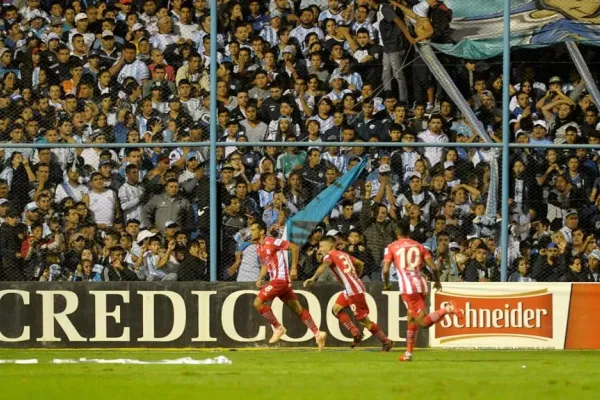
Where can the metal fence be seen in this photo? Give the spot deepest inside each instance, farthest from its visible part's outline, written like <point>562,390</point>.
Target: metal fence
<point>495,200</point>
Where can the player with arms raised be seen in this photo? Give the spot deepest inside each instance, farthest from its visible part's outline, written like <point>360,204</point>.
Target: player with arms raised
<point>343,267</point>
<point>272,254</point>
<point>408,257</point>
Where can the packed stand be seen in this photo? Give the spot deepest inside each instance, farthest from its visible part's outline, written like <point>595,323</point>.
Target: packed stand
<point>313,71</point>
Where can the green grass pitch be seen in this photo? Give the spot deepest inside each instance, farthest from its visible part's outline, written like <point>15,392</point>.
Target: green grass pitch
<point>286,374</point>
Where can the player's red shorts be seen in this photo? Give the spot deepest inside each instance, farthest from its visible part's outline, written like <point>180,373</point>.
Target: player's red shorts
<point>277,288</point>
<point>415,303</point>
<point>357,303</point>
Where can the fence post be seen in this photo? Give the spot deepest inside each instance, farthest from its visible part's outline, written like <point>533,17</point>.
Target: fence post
<point>213,140</point>
<point>505,142</point>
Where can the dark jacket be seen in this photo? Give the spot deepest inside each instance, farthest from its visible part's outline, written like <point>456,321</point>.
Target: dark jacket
<point>193,269</point>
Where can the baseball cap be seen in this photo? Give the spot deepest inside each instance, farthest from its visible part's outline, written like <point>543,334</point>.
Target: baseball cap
<point>3,51</point>
<point>34,14</point>
<point>137,26</point>
<point>173,98</point>
<point>276,14</point>
<point>4,202</point>
<point>106,162</point>
<point>227,166</point>
<point>448,164</point>
<point>171,224</point>
<point>572,211</point>
<point>556,79</point>
<point>52,36</point>
<point>454,246</point>
<point>94,54</point>
<point>288,49</point>
<point>384,169</point>
<point>595,254</point>
<point>540,122</point>
<point>552,245</point>
<point>414,175</point>
<point>54,21</point>
<point>332,232</point>
<point>80,16</point>
<point>191,155</point>
<point>126,1</point>
<point>143,235</point>
<point>107,33</point>
<point>31,206</point>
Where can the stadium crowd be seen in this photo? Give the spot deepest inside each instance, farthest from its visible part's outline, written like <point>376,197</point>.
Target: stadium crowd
<point>136,71</point>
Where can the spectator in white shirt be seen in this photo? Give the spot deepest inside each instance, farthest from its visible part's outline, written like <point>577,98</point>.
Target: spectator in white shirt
<point>131,194</point>
<point>434,135</point>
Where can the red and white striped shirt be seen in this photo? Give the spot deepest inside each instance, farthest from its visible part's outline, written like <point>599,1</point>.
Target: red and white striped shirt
<point>272,253</point>
<point>408,256</point>
<point>342,266</point>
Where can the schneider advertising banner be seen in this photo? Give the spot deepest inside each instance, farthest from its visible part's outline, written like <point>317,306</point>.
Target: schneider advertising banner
<point>519,315</point>
<point>175,315</point>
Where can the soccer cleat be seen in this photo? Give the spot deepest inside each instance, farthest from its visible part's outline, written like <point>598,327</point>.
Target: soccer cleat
<point>277,334</point>
<point>357,339</point>
<point>387,346</point>
<point>404,358</point>
<point>453,309</point>
<point>321,337</point>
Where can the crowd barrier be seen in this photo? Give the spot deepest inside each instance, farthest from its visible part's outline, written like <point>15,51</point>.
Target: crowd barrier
<point>72,315</point>
<point>177,315</point>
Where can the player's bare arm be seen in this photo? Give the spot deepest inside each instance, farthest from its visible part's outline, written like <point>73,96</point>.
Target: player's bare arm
<point>386,275</point>
<point>261,276</point>
<point>295,250</point>
<point>436,273</point>
<point>309,282</point>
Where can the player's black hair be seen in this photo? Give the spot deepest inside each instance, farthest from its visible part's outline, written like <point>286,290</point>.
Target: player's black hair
<point>261,225</point>
<point>402,228</point>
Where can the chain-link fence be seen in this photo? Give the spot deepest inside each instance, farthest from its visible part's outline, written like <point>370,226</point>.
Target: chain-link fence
<point>96,76</point>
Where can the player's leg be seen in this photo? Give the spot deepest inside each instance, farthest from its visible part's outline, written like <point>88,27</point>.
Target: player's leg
<point>341,303</point>
<point>292,301</point>
<point>426,321</point>
<point>360,308</point>
<point>268,293</point>
<point>412,310</point>
<point>377,332</point>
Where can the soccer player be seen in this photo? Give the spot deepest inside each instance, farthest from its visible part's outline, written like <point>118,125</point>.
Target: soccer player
<point>343,267</point>
<point>272,255</point>
<point>408,257</point>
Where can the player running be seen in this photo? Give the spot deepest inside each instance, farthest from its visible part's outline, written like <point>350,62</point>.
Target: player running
<point>343,267</point>
<point>408,257</point>
<point>272,255</point>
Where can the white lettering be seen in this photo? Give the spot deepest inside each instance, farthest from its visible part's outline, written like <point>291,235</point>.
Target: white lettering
<point>517,317</point>
<point>26,330</point>
<point>394,318</point>
<point>497,317</point>
<point>101,315</point>
<point>227,318</point>
<point>204,316</point>
<point>148,322</point>
<point>529,316</point>
<point>49,316</point>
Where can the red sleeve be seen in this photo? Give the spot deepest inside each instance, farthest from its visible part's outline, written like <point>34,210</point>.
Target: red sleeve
<point>281,244</point>
<point>387,255</point>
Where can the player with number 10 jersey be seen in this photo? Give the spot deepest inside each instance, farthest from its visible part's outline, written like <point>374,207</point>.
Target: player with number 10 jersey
<point>344,269</point>
<point>409,257</point>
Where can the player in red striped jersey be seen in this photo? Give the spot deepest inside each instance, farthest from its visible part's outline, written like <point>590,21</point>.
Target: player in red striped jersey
<point>273,258</point>
<point>408,257</point>
<point>344,270</point>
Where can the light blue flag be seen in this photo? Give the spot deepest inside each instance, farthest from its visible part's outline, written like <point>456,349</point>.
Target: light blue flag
<point>299,227</point>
